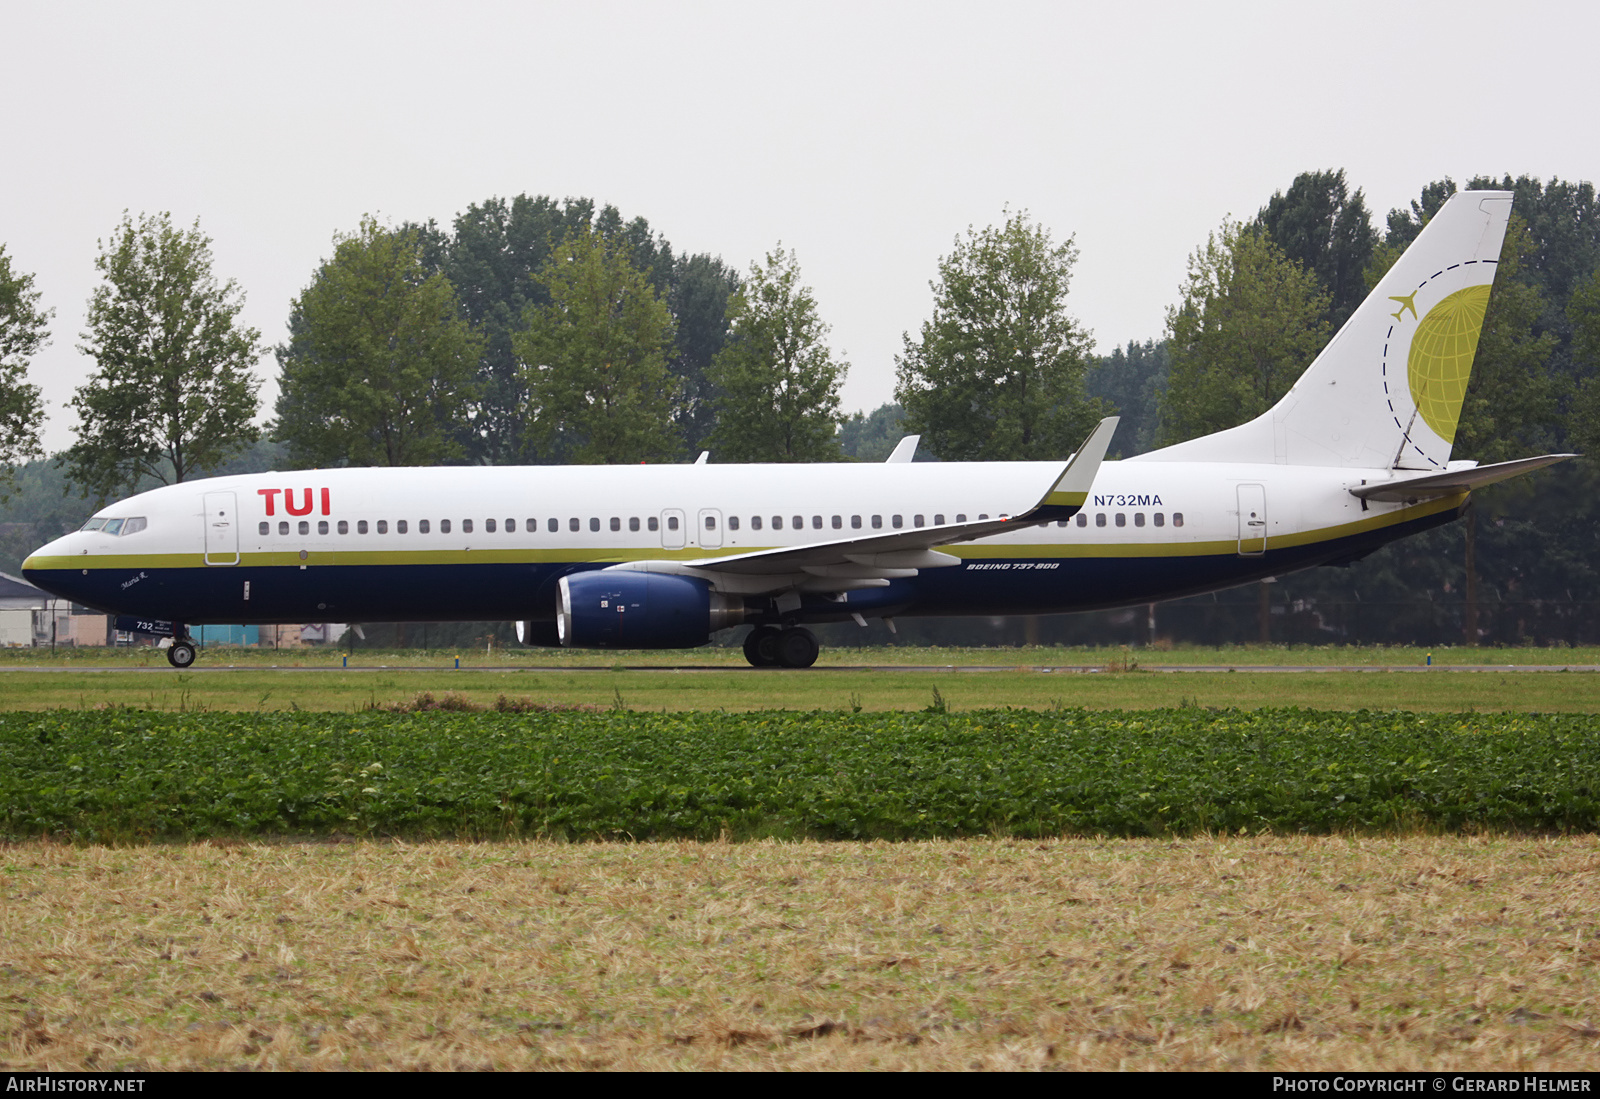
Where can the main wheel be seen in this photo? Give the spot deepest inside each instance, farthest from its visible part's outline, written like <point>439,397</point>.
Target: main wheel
<point>761,647</point>
<point>798,648</point>
<point>180,654</point>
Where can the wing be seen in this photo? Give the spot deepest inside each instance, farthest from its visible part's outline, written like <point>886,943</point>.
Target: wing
<point>874,560</point>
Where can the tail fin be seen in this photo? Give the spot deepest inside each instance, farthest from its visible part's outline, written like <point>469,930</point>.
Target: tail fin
<point>1386,392</point>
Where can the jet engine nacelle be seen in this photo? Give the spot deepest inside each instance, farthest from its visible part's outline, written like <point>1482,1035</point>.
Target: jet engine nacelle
<point>641,610</point>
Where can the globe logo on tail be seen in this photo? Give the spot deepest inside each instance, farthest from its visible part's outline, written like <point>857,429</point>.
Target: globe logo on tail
<point>1440,362</point>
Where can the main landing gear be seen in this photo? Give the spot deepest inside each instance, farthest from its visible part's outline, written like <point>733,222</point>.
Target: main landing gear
<point>771,647</point>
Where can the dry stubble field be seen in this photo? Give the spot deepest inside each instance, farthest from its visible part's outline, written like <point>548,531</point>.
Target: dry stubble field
<point>1249,953</point>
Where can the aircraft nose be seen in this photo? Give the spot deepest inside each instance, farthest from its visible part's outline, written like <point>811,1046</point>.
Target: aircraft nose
<point>51,568</point>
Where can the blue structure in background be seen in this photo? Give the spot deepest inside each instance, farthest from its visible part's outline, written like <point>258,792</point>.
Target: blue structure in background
<point>226,635</point>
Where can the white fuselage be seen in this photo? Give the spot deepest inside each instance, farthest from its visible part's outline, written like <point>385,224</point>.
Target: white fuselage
<point>477,542</point>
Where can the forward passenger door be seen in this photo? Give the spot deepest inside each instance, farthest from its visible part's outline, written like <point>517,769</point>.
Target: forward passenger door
<point>222,528</point>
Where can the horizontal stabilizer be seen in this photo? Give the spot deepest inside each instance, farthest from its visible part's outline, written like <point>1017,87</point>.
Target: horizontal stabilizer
<point>1411,489</point>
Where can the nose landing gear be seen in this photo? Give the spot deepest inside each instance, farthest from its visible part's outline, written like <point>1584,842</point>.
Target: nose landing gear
<point>771,647</point>
<point>180,654</point>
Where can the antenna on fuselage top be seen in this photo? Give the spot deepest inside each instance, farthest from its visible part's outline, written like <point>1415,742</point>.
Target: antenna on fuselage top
<point>705,455</point>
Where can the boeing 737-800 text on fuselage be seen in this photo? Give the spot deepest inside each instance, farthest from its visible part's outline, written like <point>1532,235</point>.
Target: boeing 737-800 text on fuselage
<point>1357,454</point>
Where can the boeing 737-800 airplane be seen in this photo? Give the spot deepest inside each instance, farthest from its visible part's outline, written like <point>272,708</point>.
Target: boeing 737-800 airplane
<point>1357,454</point>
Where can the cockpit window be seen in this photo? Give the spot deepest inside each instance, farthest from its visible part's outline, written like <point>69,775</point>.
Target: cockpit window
<point>117,526</point>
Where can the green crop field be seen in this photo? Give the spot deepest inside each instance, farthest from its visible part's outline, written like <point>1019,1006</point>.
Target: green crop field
<point>131,775</point>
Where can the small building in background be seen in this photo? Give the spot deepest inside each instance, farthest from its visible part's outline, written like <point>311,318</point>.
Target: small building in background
<point>25,613</point>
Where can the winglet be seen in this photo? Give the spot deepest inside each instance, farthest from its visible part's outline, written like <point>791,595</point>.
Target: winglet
<point>905,449</point>
<point>1071,489</point>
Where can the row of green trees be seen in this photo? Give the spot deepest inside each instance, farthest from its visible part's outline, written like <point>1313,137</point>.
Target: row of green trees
<point>537,331</point>
<point>533,330</point>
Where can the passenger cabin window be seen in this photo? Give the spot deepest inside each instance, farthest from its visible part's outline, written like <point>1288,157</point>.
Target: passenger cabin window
<point>1177,518</point>
<point>488,526</point>
<point>838,522</point>
<point>1100,519</point>
<point>361,526</point>
<point>896,522</point>
<point>400,526</point>
<point>574,524</point>
<point>672,522</point>
<point>1160,520</point>
<point>466,526</point>
<point>444,526</point>
<point>653,523</point>
<point>938,520</point>
<point>1138,518</point>
<point>633,523</point>
<point>777,522</point>
<point>960,517</point>
<point>553,525</point>
<point>733,522</point>
<point>616,523</point>
<point>283,527</point>
<point>266,527</point>
<point>322,526</point>
<point>916,520</point>
<point>422,526</point>
<point>816,522</point>
<point>877,522</point>
<point>383,526</point>
<point>855,522</point>
<point>755,522</point>
<point>305,527</point>
<point>711,522</point>
<point>1083,520</point>
<point>1122,520</point>
<point>344,526</point>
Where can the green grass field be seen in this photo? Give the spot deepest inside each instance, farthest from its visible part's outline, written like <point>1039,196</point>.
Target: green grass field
<point>832,656</point>
<point>735,688</point>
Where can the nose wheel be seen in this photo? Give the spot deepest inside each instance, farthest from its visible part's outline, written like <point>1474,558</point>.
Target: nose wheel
<point>180,654</point>
<point>770,647</point>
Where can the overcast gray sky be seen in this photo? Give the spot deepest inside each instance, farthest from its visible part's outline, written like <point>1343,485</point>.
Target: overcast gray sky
<point>866,136</point>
